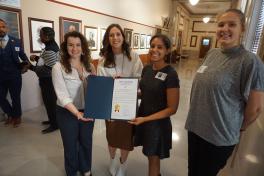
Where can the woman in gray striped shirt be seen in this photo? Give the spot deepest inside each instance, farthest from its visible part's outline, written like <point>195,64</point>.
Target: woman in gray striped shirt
<point>50,55</point>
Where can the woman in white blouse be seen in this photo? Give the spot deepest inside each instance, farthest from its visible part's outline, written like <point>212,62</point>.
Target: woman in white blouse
<point>69,79</point>
<point>118,61</point>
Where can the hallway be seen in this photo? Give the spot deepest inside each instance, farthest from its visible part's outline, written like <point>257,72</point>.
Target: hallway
<point>24,151</point>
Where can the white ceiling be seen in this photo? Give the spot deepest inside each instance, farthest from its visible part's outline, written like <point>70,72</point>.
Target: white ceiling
<point>212,7</point>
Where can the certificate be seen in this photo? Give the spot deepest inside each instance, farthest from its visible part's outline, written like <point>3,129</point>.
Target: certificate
<point>109,98</point>
<point>124,102</point>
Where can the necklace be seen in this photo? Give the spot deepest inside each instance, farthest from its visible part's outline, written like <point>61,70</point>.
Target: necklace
<point>122,69</point>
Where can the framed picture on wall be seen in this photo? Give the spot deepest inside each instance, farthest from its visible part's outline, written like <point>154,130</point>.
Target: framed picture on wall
<point>91,35</point>
<point>68,25</point>
<point>142,41</point>
<point>136,41</point>
<point>193,41</point>
<point>148,41</point>
<point>34,26</point>
<point>102,33</point>
<point>13,19</point>
<point>128,36</point>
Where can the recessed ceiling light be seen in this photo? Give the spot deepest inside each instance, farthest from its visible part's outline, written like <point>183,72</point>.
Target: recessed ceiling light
<point>193,2</point>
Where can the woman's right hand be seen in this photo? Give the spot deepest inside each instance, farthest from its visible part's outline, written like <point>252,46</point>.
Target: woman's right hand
<point>34,58</point>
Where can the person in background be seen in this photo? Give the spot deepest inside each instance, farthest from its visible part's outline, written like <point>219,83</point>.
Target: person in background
<point>226,97</point>
<point>118,61</point>
<point>69,80</point>
<point>160,94</point>
<point>11,69</point>
<point>50,56</point>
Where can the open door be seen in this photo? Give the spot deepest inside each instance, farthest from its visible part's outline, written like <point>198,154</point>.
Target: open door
<point>205,46</point>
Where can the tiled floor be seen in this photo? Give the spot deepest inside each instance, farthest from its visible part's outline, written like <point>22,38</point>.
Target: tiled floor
<point>24,151</point>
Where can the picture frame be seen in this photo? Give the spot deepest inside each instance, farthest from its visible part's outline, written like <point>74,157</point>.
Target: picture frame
<point>128,36</point>
<point>34,26</point>
<point>193,41</point>
<point>142,41</point>
<point>91,34</point>
<point>136,40</point>
<point>102,33</point>
<point>13,19</point>
<point>148,38</point>
<point>69,24</point>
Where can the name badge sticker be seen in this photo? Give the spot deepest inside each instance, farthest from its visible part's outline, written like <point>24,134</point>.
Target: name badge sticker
<point>161,76</point>
<point>202,69</point>
<point>17,49</point>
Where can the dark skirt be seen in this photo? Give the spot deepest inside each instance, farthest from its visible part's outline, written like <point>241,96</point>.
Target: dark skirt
<point>119,134</point>
<point>155,137</point>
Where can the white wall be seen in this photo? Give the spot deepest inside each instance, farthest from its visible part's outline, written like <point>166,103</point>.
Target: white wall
<point>142,11</point>
<point>147,12</point>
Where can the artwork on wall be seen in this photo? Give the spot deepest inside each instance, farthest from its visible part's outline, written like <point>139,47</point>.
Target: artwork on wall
<point>102,33</point>
<point>136,40</point>
<point>11,3</point>
<point>91,35</point>
<point>34,26</point>
<point>179,42</point>
<point>185,34</point>
<point>68,25</point>
<point>142,41</point>
<point>166,22</point>
<point>148,41</point>
<point>13,19</point>
<point>128,36</point>
<point>193,41</point>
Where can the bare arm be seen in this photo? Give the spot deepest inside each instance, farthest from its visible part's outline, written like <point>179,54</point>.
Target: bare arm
<point>254,107</point>
<point>173,96</point>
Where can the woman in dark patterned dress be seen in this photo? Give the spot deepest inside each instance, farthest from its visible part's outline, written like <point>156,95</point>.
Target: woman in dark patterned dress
<point>160,98</point>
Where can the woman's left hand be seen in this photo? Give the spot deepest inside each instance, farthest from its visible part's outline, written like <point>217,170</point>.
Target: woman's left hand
<point>86,119</point>
<point>137,121</point>
<point>80,117</point>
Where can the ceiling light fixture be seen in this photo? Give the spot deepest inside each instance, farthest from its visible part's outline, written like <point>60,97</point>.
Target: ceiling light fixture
<point>206,19</point>
<point>193,2</point>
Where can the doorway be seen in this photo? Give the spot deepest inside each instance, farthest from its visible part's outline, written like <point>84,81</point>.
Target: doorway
<point>205,46</point>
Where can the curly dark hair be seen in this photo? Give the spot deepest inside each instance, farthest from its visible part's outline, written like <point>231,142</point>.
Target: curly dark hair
<point>107,51</point>
<point>85,57</point>
<point>48,32</point>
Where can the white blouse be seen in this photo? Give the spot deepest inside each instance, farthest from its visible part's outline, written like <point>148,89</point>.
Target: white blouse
<point>69,87</point>
<point>124,67</point>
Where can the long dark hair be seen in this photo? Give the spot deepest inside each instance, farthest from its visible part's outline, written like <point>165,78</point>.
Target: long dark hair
<point>85,57</point>
<point>167,43</point>
<point>107,51</point>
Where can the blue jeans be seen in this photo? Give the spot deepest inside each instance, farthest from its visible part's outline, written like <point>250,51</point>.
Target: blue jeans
<point>77,142</point>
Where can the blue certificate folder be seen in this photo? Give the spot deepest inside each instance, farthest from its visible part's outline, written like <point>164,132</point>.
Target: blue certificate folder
<point>98,99</point>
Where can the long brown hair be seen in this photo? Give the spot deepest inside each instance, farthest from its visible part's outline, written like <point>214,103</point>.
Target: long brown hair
<point>240,14</point>
<point>86,53</point>
<point>107,51</point>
